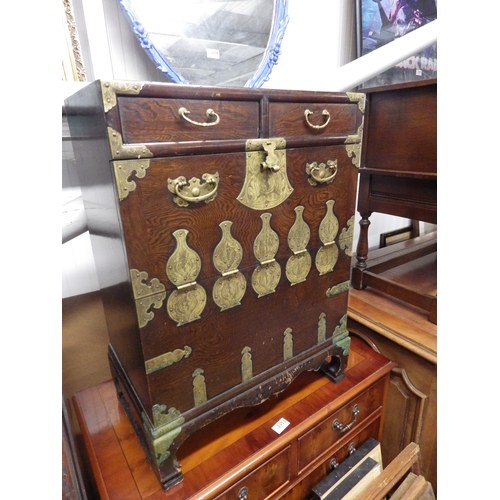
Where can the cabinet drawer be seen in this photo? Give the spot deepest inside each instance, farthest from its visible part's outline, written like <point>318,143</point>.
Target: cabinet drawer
<point>328,119</point>
<point>264,481</point>
<point>326,434</point>
<point>150,120</point>
<point>301,490</point>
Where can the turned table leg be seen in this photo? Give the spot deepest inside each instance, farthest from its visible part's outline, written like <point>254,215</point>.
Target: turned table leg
<point>361,252</point>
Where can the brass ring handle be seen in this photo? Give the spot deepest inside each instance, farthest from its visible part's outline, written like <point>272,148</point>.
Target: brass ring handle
<point>317,172</point>
<point>337,425</point>
<point>183,112</point>
<point>307,112</point>
<point>195,191</point>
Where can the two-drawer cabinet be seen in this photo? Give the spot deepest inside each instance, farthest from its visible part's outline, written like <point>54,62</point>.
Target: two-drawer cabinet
<point>221,222</point>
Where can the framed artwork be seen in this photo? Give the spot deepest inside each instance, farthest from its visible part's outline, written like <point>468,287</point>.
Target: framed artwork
<point>381,21</point>
<point>396,236</point>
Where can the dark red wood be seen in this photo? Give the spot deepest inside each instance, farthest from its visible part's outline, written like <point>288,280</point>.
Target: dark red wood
<point>115,124</point>
<point>398,174</point>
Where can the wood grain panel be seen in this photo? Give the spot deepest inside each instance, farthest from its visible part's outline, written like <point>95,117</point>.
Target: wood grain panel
<point>157,120</point>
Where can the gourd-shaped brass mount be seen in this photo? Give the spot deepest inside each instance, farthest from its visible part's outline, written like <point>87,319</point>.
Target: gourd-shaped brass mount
<point>299,264</point>
<point>266,276</point>
<point>187,302</point>
<point>328,254</point>
<point>230,288</point>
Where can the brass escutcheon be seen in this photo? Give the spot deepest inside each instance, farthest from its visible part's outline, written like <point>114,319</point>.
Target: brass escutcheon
<point>266,182</point>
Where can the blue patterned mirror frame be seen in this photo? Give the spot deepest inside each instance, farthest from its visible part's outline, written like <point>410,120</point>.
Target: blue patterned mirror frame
<point>263,72</point>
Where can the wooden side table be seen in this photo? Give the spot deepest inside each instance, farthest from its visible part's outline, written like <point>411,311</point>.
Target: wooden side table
<point>403,333</point>
<point>398,176</point>
<point>241,453</point>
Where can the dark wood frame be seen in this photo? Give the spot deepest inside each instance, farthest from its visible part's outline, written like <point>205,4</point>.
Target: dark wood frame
<point>398,176</point>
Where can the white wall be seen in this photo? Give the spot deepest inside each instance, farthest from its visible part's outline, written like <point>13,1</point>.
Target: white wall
<point>319,38</point>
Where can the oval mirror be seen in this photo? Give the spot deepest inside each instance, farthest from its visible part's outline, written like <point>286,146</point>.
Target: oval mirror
<point>232,43</point>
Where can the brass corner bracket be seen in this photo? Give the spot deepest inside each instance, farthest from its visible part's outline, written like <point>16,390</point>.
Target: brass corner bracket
<point>111,88</point>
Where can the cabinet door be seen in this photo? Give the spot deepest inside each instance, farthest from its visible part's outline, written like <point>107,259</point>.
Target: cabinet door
<point>233,292</point>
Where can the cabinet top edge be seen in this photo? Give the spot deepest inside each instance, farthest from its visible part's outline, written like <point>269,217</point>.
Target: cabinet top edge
<point>160,89</point>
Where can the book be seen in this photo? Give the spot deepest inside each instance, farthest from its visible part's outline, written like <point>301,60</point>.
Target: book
<point>369,449</point>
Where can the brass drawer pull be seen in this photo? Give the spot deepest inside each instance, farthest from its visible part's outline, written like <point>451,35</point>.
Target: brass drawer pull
<point>183,112</point>
<point>319,173</point>
<point>307,112</point>
<point>243,493</point>
<point>337,425</point>
<point>193,191</point>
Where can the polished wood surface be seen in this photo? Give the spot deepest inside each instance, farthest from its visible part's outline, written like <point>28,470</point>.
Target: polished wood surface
<point>228,453</point>
<point>406,271</point>
<point>180,355</point>
<point>403,333</point>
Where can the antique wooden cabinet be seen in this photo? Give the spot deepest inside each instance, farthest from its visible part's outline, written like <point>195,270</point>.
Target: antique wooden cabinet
<point>221,222</point>
<point>398,176</point>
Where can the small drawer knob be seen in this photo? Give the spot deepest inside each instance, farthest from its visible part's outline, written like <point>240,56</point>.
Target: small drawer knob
<point>243,493</point>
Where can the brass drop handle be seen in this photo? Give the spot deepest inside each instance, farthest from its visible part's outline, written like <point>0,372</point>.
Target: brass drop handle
<point>183,112</point>
<point>307,112</point>
<point>337,425</point>
<point>319,173</point>
<point>193,191</point>
<point>243,493</point>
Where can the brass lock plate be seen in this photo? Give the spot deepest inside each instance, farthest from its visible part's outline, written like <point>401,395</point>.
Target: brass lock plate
<point>266,181</point>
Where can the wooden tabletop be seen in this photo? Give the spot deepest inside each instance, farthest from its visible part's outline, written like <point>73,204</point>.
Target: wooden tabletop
<point>399,321</point>
<point>210,455</point>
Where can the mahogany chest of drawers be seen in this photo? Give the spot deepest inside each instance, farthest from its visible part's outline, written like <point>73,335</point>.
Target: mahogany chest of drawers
<point>241,455</point>
<point>221,223</point>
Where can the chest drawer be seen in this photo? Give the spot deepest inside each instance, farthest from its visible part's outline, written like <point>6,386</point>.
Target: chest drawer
<point>326,434</point>
<point>150,120</point>
<point>264,481</point>
<point>299,119</point>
